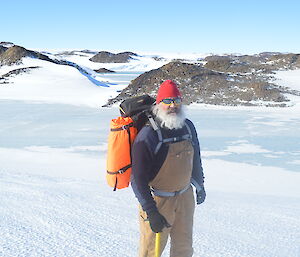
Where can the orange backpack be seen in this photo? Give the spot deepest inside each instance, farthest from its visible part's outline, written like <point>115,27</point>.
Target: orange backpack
<point>120,140</point>
<point>123,131</point>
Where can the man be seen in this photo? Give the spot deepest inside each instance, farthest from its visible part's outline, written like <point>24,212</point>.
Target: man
<point>165,162</point>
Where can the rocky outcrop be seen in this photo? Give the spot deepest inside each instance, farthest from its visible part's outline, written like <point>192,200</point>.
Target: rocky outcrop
<point>4,77</point>
<point>221,81</point>
<point>285,61</point>
<point>104,70</point>
<point>107,57</point>
<point>158,58</point>
<point>265,63</point>
<point>2,49</point>
<point>14,55</point>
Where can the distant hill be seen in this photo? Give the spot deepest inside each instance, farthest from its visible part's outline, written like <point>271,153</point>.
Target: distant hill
<point>107,57</point>
<point>220,80</point>
<point>104,70</point>
<point>14,55</point>
<point>261,63</point>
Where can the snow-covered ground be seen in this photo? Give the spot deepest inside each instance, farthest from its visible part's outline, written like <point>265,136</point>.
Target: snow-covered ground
<point>52,83</point>
<point>54,200</point>
<point>289,78</point>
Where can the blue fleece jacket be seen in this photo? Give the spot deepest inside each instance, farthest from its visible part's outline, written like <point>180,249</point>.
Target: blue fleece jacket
<point>146,164</point>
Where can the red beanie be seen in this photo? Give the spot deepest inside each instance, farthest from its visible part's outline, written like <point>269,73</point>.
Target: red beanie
<point>167,89</point>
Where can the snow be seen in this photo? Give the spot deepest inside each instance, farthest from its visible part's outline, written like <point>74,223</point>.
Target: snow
<point>52,83</point>
<point>242,146</point>
<point>290,78</point>
<point>54,200</point>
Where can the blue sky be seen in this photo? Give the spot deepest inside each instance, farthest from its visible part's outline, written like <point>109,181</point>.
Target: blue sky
<point>153,26</point>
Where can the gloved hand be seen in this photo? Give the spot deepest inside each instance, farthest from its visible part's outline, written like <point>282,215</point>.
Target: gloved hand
<point>157,221</point>
<point>201,195</point>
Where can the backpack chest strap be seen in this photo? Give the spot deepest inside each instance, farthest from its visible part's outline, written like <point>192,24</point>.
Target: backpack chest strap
<point>162,140</point>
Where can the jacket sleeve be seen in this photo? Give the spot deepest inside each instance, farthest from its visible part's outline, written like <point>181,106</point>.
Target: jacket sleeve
<point>197,174</point>
<point>142,160</point>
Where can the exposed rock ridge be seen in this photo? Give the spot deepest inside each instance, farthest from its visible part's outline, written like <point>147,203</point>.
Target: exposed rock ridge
<point>107,57</point>
<point>4,77</point>
<point>14,55</point>
<point>221,80</point>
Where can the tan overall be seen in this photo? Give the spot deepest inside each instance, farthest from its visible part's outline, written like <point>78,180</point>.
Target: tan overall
<point>174,175</point>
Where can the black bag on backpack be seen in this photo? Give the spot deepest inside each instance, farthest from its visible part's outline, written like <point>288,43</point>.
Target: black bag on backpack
<point>135,105</point>
<point>136,108</point>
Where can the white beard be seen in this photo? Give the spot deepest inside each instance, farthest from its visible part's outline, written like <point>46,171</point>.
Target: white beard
<point>169,120</point>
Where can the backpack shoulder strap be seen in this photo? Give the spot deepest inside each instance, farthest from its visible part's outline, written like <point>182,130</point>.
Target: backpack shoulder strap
<point>188,136</point>
<point>157,130</point>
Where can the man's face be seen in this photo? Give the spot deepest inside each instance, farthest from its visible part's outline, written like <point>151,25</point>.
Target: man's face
<point>171,105</point>
<point>170,112</point>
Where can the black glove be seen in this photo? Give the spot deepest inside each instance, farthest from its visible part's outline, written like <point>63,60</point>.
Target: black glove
<point>157,221</point>
<point>201,195</point>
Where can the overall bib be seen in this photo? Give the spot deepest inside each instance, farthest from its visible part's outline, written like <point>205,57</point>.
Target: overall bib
<point>174,175</point>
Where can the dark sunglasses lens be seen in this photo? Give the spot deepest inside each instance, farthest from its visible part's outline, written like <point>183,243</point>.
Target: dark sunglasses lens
<point>167,101</point>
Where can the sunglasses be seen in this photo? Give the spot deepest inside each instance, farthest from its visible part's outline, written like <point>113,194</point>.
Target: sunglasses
<point>169,101</point>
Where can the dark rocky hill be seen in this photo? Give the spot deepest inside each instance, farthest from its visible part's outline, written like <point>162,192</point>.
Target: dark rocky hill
<point>261,63</point>
<point>4,77</point>
<point>220,80</point>
<point>107,57</point>
<point>14,55</point>
<point>2,49</point>
<point>104,70</point>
